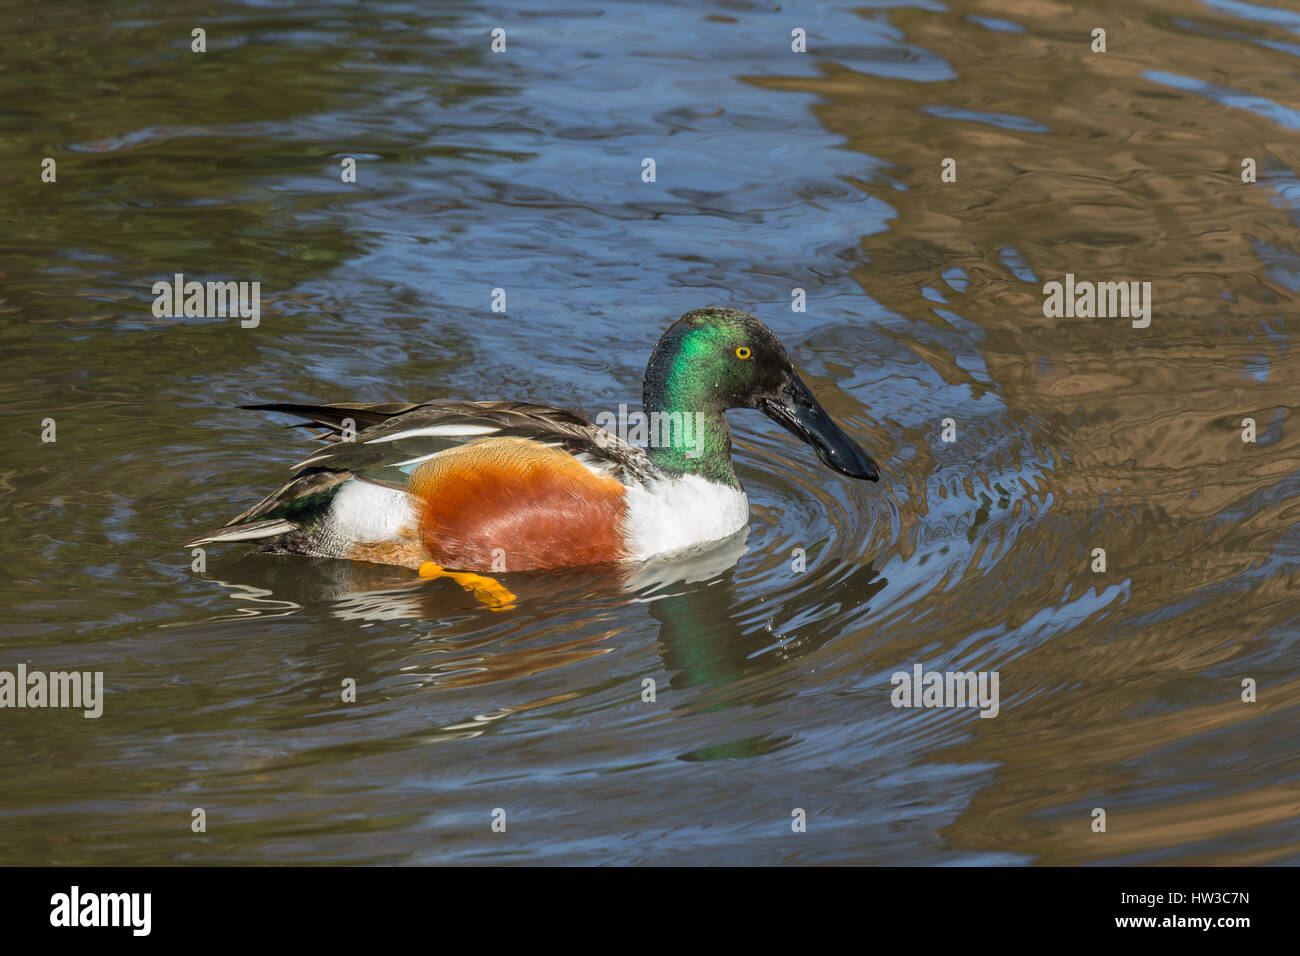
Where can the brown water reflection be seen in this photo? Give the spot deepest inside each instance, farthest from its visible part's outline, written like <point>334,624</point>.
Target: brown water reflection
<point>1127,179</point>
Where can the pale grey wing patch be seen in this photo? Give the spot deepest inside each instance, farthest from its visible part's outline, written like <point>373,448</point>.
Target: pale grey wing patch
<point>410,463</point>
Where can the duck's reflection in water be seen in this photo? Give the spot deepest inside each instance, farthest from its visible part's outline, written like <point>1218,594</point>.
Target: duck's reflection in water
<point>711,634</point>
<point>356,591</point>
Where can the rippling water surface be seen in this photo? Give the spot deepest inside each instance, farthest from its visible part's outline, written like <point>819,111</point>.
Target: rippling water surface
<point>775,171</point>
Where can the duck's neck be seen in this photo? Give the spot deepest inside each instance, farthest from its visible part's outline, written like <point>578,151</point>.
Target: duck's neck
<point>688,430</point>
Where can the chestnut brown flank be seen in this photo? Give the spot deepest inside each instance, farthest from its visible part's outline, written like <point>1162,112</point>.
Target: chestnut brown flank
<point>540,505</point>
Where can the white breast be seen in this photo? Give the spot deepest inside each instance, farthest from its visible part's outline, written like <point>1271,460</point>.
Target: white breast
<point>672,515</point>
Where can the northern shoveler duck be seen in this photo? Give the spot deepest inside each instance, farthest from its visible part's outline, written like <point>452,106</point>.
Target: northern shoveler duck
<point>508,486</point>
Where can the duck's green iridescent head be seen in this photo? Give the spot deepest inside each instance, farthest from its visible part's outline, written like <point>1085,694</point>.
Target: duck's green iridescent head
<point>714,359</point>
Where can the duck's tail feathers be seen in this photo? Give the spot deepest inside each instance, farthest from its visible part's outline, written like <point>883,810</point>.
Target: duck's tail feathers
<point>253,531</point>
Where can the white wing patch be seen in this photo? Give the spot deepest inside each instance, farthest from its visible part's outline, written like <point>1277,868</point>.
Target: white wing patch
<point>672,515</point>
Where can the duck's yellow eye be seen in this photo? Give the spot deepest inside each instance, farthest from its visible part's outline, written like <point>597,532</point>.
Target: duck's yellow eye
<point>743,352</point>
